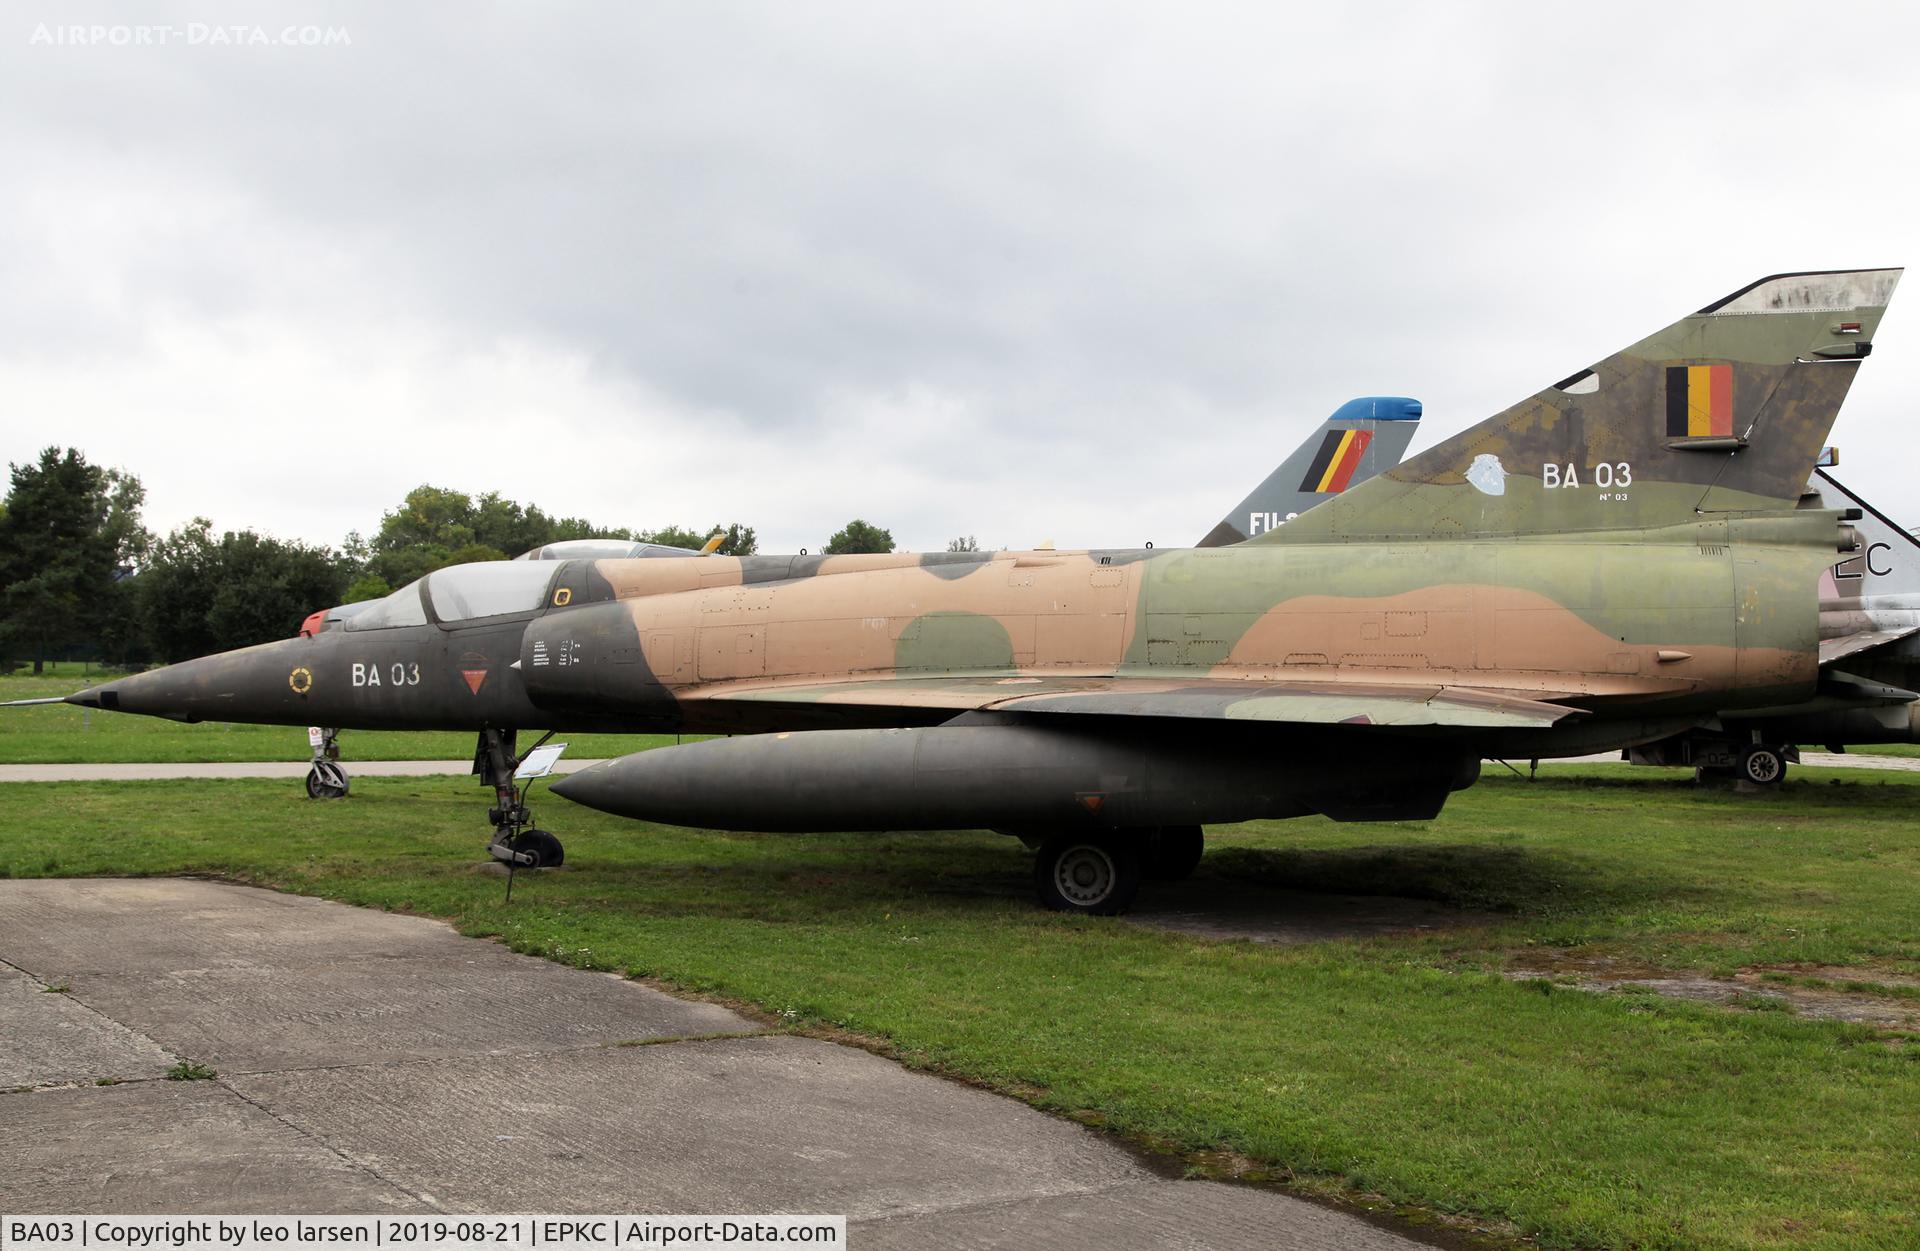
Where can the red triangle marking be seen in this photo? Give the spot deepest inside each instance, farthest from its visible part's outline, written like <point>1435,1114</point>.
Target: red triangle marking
<point>476,678</point>
<point>1092,802</point>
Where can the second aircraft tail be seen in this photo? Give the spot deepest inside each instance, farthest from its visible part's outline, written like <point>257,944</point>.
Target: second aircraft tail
<point>1363,437</point>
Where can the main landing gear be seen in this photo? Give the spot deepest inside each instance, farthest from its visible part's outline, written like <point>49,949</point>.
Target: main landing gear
<point>1098,874</point>
<point>1762,764</point>
<point>1754,764</point>
<point>327,778</point>
<point>516,843</point>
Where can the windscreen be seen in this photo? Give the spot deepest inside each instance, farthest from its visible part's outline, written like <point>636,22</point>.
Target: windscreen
<point>463,592</point>
<point>402,608</point>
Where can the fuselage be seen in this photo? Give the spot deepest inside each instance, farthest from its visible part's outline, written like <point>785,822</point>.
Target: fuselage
<point>1638,628</point>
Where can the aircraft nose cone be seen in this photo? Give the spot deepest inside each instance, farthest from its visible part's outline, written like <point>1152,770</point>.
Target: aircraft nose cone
<point>261,684</point>
<point>105,695</point>
<point>156,693</point>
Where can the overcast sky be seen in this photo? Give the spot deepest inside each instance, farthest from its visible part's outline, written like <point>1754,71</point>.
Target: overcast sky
<point>1035,271</point>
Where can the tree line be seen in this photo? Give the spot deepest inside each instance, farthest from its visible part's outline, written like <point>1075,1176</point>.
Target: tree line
<point>82,578</point>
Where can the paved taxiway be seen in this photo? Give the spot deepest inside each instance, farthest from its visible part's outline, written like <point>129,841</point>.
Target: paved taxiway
<point>377,1063</point>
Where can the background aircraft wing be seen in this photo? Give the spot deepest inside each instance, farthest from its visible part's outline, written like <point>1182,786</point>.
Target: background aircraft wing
<point>1861,641</point>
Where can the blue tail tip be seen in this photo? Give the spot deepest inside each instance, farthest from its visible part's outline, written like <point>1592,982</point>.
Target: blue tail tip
<point>1378,408</point>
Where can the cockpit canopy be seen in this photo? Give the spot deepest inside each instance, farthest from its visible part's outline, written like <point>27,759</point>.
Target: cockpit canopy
<point>602,549</point>
<point>459,593</point>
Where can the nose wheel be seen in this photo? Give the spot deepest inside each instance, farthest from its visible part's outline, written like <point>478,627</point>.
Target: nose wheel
<point>326,780</point>
<point>326,777</point>
<point>529,849</point>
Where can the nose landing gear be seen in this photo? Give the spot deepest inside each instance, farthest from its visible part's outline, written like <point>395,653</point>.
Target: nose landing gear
<point>327,777</point>
<point>516,843</point>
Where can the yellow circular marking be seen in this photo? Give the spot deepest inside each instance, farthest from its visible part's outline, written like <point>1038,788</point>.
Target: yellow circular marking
<point>301,680</point>
<point>562,597</point>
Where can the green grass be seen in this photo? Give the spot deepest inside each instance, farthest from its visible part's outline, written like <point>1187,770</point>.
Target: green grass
<point>64,734</point>
<point>1400,1067</point>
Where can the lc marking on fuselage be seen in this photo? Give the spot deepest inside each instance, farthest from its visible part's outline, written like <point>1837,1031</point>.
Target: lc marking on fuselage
<point>1867,558</point>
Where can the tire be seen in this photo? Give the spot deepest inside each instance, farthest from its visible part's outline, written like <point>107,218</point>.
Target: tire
<point>326,780</point>
<point>1093,875</point>
<point>543,847</point>
<point>1173,853</point>
<point>1762,765</point>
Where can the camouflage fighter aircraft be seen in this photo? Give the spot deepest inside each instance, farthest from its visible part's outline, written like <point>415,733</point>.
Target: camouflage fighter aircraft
<point>1869,661</point>
<point>1606,563</point>
<point>1611,561</point>
<point>439,652</point>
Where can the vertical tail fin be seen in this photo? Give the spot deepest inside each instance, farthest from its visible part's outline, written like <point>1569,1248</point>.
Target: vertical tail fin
<point>1723,411</point>
<point>1362,438</point>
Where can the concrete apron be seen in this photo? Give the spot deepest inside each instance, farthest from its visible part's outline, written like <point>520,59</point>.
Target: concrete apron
<point>373,1063</point>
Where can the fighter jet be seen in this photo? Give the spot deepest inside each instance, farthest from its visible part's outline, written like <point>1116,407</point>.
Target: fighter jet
<point>1609,562</point>
<point>470,616</point>
<point>1604,564</point>
<point>1869,660</point>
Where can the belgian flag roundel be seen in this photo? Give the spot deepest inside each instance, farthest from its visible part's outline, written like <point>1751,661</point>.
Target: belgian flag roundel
<point>1699,401</point>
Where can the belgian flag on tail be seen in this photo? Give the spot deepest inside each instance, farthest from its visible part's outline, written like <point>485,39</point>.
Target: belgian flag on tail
<point>1334,463</point>
<point>1699,401</point>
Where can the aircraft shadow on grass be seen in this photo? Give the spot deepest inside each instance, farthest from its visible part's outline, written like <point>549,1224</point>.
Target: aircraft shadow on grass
<point>1467,876</point>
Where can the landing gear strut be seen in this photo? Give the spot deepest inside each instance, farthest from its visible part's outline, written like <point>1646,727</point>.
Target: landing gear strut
<point>327,778</point>
<point>516,843</point>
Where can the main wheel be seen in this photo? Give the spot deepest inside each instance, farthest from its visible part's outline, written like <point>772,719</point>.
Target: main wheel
<point>543,847</point>
<point>326,780</point>
<point>1762,765</point>
<point>1095,875</point>
<point>1173,853</point>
